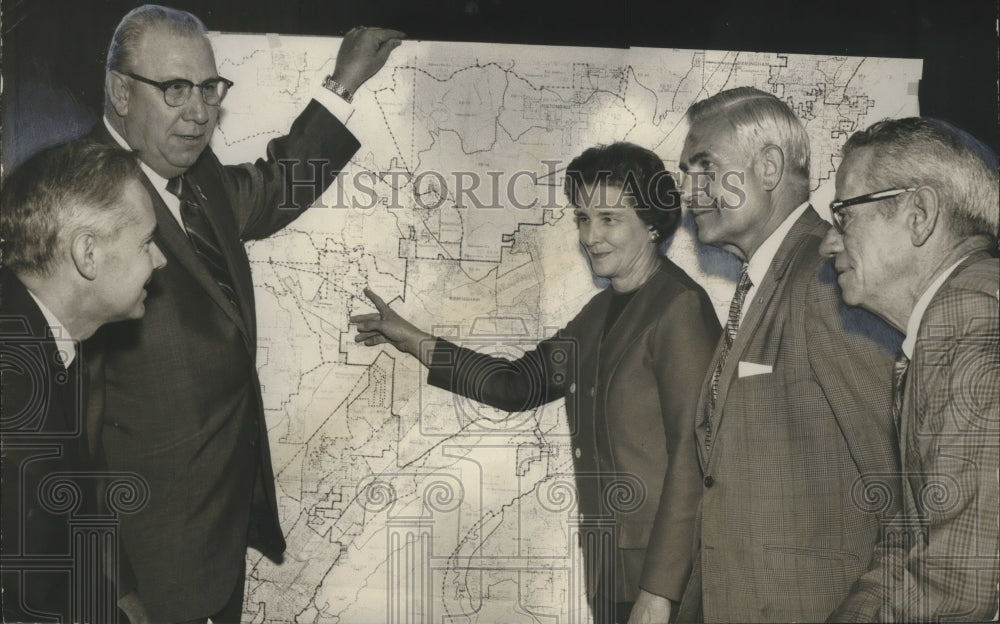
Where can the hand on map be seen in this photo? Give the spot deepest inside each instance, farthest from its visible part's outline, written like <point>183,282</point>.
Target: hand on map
<point>385,326</point>
<point>362,53</point>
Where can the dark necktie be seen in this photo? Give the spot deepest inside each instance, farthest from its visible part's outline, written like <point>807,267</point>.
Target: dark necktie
<point>899,368</point>
<point>732,324</point>
<point>201,235</point>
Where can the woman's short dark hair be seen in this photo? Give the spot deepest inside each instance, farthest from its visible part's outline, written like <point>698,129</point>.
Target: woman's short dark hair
<point>636,170</point>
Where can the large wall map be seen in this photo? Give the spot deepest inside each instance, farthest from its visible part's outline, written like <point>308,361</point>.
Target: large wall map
<point>400,502</point>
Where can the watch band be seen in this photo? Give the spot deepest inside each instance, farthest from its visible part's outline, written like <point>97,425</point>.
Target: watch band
<point>339,89</point>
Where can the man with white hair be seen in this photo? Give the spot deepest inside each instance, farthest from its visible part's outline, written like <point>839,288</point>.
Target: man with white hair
<point>793,418</point>
<point>916,219</point>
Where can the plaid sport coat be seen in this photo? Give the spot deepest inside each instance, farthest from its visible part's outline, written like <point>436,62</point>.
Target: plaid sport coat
<point>939,560</point>
<point>802,422</point>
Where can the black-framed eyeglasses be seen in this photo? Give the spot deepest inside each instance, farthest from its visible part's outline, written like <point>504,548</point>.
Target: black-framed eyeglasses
<point>177,92</point>
<point>837,207</point>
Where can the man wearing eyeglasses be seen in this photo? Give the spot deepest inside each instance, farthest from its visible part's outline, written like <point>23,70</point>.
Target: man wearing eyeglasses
<point>916,226</point>
<point>793,420</point>
<point>182,401</point>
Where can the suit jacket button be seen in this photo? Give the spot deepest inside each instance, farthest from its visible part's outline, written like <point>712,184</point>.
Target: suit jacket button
<point>593,391</point>
<point>577,452</point>
<point>572,388</point>
<point>709,481</point>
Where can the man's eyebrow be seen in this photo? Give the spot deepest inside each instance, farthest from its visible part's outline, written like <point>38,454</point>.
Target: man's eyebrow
<point>702,155</point>
<point>184,79</point>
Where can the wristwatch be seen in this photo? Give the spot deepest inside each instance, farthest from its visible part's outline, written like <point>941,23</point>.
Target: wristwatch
<point>339,89</point>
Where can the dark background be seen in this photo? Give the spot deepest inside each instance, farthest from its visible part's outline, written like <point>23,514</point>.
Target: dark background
<point>53,50</point>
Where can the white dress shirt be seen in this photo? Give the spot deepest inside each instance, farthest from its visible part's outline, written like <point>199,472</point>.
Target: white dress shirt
<point>64,342</point>
<point>761,259</point>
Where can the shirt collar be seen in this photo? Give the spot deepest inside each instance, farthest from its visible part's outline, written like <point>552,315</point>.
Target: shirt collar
<point>64,342</point>
<point>917,315</point>
<point>761,259</point>
<point>159,182</point>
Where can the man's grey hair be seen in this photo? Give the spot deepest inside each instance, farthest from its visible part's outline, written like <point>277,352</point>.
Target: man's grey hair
<point>919,151</point>
<point>60,192</point>
<point>759,119</point>
<point>139,21</point>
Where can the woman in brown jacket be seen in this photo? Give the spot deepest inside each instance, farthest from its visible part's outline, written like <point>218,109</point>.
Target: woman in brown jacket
<point>630,366</point>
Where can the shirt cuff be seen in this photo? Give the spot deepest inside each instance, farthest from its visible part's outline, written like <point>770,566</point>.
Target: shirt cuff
<point>338,106</point>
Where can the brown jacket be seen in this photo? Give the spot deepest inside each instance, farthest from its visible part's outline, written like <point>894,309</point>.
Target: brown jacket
<point>630,401</point>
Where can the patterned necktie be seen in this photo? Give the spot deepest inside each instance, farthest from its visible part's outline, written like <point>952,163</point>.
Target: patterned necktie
<point>899,368</point>
<point>201,235</point>
<point>732,324</point>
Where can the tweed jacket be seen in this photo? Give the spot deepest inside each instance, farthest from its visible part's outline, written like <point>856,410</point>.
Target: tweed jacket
<point>939,559</point>
<point>802,422</point>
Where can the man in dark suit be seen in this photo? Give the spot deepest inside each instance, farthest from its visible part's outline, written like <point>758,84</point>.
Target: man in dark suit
<point>183,403</point>
<point>916,222</point>
<point>793,419</point>
<point>78,251</point>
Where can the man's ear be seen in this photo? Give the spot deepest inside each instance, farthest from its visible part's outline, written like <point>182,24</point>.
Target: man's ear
<point>770,166</point>
<point>83,249</point>
<point>118,92</point>
<point>922,213</point>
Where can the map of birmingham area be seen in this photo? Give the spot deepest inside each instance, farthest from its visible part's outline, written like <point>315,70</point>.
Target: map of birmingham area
<point>400,502</point>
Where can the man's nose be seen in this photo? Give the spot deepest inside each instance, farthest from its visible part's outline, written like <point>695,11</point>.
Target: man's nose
<point>684,186</point>
<point>833,243</point>
<point>195,108</point>
<point>159,260</point>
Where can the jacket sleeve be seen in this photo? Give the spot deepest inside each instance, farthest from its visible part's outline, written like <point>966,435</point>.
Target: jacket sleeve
<point>270,193</point>
<point>682,348</point>
<point>942,562</point>
<point>537,377</point>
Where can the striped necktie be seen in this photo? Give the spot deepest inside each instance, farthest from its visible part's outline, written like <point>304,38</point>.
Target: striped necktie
<point>732,324</point>
<point>201,234</point>
<point>899,369</point>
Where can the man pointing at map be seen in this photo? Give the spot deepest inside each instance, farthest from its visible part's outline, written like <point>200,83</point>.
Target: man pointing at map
<point>182,400</point>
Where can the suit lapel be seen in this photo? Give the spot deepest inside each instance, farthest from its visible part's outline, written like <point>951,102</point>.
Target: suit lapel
<point>910,453</point>
<point>704,402</point>
<point>175,241</point>
<point>759,308</point>
<point>24,317</point>
<point>228,237</point>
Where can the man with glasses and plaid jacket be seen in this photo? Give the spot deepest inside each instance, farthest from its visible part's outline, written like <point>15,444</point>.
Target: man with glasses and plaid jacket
<point>915,243</point>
